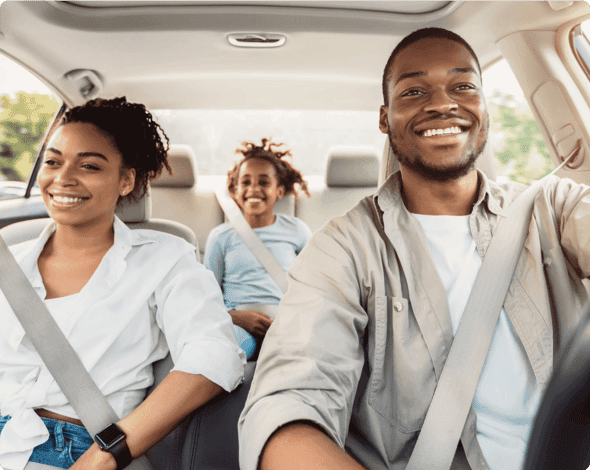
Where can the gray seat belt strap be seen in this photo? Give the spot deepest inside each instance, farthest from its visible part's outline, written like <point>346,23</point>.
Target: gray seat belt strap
<point>446,416</point>
<point>61,360</point>
<point>252,241</point>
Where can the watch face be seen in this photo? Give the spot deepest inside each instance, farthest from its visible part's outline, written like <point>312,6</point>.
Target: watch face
<point>109,436</point>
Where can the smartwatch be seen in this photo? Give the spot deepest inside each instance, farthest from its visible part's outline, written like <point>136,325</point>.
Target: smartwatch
<point>112,439</point>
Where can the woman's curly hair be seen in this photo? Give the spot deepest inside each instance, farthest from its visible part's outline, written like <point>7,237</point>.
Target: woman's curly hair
<point>130,126</point>
<point>289,177</point>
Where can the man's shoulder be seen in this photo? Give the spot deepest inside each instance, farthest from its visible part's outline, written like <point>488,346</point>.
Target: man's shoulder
<point>361,218</point>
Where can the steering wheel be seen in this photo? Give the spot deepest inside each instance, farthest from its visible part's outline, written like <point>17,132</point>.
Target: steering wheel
<point>560,438</point>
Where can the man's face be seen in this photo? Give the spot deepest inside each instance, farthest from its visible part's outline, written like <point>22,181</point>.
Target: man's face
<point>437,119</point>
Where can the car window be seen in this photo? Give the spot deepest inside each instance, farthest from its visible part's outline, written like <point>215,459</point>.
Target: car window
<point>515,136</point>
<point>27,107</point>
<point>214,135</point>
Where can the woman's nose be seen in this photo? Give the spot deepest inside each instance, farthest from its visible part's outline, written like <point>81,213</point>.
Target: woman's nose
<point>65,175</point>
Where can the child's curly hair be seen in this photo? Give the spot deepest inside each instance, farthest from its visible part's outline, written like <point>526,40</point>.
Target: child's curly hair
<point>289,177</point>
<point>130,126</point>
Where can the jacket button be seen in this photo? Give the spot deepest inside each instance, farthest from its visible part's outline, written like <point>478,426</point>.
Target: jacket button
<point>398,306</point>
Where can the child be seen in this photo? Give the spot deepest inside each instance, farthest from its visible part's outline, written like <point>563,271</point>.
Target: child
<point>256,182</point>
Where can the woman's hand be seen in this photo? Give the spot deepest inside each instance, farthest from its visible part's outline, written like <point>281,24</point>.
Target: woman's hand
<point>95,459</point>
<point>255,323</point>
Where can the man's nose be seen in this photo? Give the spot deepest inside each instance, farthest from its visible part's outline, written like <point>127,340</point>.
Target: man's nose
<point>440,102</point>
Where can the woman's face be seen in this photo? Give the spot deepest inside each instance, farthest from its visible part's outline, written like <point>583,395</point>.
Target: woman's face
<point>81,177</point>
<point>258,187</point>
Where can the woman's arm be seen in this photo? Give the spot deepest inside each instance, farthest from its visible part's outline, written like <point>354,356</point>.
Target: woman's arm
<point>162,411</point>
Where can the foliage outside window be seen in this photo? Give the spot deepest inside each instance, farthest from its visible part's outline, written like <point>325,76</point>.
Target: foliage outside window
<point>515,136</point>
<point>24,118</point>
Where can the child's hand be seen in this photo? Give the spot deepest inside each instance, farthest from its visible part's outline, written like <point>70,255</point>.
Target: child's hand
<point>255,323</point>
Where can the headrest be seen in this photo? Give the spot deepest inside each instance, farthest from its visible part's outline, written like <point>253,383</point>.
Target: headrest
<point>352,167</point>
<point>139,211</point>
<point>184,168</point>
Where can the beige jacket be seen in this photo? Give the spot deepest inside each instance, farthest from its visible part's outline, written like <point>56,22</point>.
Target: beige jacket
<point>364,329</point>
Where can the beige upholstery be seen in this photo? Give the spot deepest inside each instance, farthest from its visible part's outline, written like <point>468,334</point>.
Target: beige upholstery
<point>352,167</point>
<point>351,174</point>
<point>184,169</point>
<point>389,163</point>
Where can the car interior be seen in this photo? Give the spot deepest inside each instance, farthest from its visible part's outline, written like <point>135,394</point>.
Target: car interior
<point>246,60</point>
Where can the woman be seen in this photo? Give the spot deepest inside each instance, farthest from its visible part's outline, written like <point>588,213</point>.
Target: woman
<point>260,178</point>
<point>113,292</point>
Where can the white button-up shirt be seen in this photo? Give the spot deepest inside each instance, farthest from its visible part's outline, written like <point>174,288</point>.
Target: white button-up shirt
<point>149,284</point>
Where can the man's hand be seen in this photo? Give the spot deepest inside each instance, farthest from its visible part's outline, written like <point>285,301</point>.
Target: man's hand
<point>255,323</point>
<point>95,459</point>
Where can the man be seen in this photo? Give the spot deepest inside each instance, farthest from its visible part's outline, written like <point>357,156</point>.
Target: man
<point>375,298</point>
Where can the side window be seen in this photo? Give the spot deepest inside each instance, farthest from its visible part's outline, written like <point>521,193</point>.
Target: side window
<point>27,108</point>
<point>514,135</point>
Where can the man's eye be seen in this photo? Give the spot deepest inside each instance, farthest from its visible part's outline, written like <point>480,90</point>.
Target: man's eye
<point>413,92</point>
<point>466,86</point>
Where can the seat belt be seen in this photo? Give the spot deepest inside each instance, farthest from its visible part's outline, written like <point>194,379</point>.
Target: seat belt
<point>55,350</point>
<point>438,439</point>
<point>249,237</point>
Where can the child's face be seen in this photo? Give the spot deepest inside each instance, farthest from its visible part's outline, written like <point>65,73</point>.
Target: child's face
<point>258,188</point>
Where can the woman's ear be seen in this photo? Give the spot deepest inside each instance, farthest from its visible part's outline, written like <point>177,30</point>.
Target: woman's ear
<point>127,181</point>
<point>280,192</point>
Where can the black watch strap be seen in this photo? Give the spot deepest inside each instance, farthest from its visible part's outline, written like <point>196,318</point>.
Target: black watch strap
<point>121,453</point>
<point>112,439</point>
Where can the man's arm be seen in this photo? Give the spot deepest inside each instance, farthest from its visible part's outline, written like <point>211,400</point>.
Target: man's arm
<point>312,356</point>
<point>301,445</point>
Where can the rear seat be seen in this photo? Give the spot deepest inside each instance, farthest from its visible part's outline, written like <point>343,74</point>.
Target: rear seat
<point>351,174</point>
<point>179,198</point>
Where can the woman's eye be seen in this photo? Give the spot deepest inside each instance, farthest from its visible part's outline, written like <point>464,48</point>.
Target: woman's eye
<point>88,166</point>
<point>49,162</point>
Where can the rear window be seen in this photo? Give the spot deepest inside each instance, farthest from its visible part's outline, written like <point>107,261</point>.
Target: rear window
<point>214,135</point>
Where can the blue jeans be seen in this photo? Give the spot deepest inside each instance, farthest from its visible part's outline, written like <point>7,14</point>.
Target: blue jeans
<point>66,443</point>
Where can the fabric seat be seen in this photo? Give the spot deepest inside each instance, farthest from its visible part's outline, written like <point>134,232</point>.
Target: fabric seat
<point>351,174</point>
<point>167,454</point>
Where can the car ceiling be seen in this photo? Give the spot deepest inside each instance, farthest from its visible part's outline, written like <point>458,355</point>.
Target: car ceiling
<point>177,55</point>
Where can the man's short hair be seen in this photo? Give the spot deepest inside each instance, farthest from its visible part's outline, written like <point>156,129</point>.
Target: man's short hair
<point>415,37</point>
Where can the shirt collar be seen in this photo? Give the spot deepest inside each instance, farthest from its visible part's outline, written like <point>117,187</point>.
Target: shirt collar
<point>389,195</point>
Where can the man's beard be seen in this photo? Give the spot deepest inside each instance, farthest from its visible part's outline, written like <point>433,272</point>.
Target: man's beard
<point>416,163</point>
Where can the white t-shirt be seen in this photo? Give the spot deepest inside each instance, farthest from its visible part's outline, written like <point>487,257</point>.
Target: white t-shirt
<point>148,284</point>
<point>507,395</point>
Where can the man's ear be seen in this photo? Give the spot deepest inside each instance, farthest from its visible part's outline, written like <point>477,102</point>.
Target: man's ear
<point>383,121</point>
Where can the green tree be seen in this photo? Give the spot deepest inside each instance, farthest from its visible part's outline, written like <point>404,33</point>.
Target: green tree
<point>24,118</point>
<point>522,153</point>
